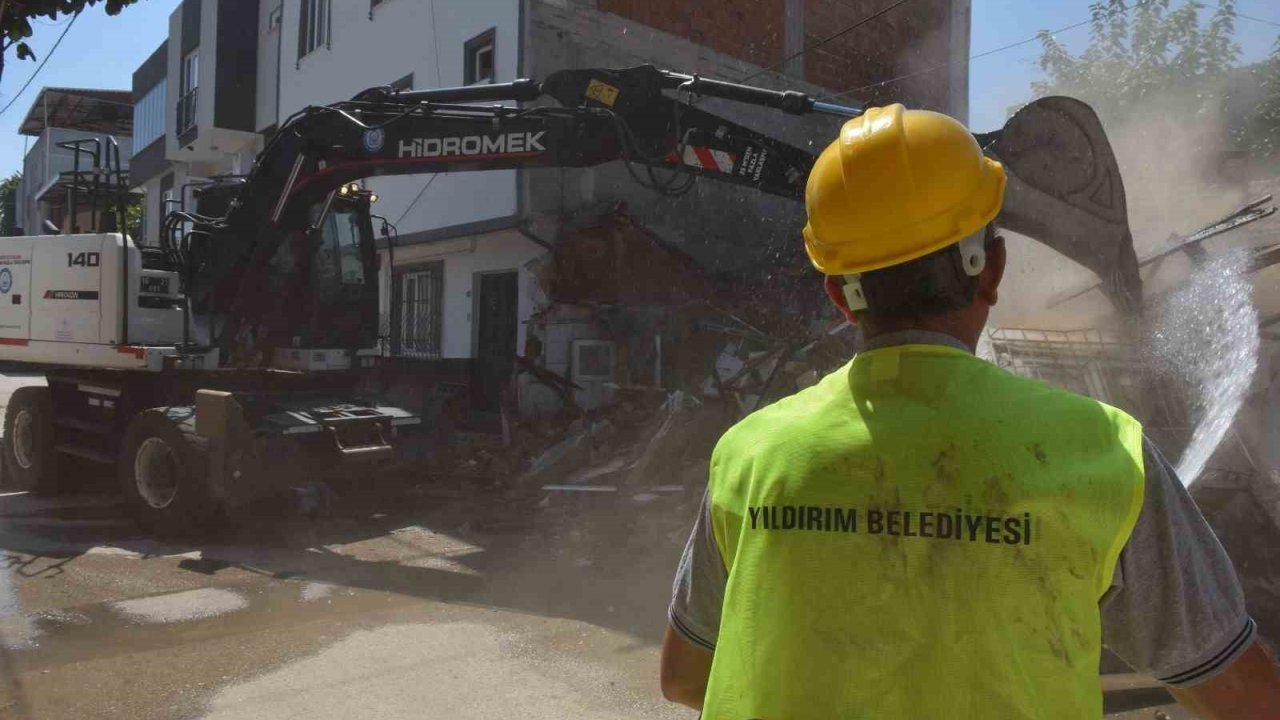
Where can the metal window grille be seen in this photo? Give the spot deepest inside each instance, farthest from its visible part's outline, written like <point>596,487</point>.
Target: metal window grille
<point>419,297</point>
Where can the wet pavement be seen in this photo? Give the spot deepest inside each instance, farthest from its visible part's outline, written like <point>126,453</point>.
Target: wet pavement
<point>420,611</point>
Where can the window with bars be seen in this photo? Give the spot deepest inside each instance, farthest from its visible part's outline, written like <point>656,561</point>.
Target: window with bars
<point>313,26</point>
<point>418,303</point>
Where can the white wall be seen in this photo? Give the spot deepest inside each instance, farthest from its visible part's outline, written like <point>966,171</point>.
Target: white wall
<point>268,51</point>
<point>399,40</point>
<point>463,258</point>
<point>173,73</point>
<point>153,211</point>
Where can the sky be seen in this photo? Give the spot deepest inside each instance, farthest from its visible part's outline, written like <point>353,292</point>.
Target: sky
<point>101,51</point>
<point>1001,80</point>
<point>98,52</point>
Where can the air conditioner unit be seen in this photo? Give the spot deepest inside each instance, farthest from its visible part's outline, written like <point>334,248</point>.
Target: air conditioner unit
<point>592,369</point>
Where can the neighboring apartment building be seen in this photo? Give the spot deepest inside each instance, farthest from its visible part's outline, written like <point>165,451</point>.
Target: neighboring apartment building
<point>463,284</point>
<point>90,117</point>
<point>195,105</point>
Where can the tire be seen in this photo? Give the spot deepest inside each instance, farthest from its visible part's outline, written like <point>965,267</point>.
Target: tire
<point>30,461</point>
<point>164,474</point>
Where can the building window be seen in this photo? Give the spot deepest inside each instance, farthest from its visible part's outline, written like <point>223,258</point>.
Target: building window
<point>313,26</point>
<point>189,83</point>
<point>148,117</point>
<point>478,66</point>
<point>404,83</point>
<point>191,71</point>
<point>418,299</point>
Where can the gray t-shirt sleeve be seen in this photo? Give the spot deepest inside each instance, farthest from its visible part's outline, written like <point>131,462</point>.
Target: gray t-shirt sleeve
<point>1175,610</point>
<point>698,592</point>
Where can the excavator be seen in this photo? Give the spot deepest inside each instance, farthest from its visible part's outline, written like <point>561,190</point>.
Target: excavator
<point>223,364</point>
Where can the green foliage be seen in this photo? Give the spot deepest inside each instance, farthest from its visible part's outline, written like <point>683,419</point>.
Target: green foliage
<point>8,204</point>
<point>15,19</point>
<point>1262,128</point>
<point>1143,50</point>
<point>133,218</point>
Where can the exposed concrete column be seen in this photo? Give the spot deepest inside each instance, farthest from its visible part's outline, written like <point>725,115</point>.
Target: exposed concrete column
<point>793,38</point>
<point>958,60</point>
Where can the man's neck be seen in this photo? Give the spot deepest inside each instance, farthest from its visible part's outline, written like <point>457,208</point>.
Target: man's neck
<point>950,325</point>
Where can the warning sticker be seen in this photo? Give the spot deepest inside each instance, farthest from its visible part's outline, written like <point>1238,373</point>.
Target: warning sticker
<point>602,93</point>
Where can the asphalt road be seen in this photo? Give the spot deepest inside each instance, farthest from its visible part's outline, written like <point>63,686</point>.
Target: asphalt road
<point>431,602</point>
<point>414,611</point>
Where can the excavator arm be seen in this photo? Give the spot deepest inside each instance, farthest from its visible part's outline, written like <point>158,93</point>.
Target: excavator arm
<point>645,117</point>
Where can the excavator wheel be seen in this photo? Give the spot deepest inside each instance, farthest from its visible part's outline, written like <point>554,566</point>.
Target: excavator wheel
<point>164,474</point>
<point>30,461</point>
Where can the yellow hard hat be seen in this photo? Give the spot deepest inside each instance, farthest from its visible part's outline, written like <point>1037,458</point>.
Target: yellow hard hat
<point>897,185</point>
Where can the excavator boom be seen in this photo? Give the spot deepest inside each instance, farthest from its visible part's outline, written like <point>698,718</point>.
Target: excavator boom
<point>1065,188</point>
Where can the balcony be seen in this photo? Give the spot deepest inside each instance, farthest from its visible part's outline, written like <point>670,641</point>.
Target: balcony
<point>186,117</point>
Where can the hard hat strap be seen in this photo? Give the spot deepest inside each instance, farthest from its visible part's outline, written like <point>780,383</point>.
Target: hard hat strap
<point>973,253</point>
<point>853,295</point>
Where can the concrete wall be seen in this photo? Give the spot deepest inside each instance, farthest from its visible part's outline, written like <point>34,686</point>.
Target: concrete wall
<point>463,259</point>
<point>914,38</point>
<point>754,31</point>
<point>398,38</point>
<point>899,42</point>
<point>725,227</point>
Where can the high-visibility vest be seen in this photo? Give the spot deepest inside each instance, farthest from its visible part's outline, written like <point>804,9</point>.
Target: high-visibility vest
<point>920,535</point>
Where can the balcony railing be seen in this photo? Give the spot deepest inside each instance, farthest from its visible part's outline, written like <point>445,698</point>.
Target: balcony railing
<point>187,111</point>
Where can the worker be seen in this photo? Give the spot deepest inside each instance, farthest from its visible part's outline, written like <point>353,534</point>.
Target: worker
<point>924,535</point>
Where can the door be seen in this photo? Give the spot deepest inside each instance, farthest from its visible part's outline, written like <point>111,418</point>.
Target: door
<point>496,335</point>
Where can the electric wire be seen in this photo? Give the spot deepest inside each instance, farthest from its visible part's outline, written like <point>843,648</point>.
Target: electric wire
<point>435,45</point>
<point>1264,21</point>
<point>978,56</point>
<point>47,55</point>
<point>824,41</point>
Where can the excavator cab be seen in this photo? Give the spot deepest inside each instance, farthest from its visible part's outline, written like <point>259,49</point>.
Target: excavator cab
<point>321,284</point>
<point>319,288</point>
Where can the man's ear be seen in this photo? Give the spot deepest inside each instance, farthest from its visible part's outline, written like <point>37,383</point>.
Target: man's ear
<point>993,272</point>
<point>835,291</point>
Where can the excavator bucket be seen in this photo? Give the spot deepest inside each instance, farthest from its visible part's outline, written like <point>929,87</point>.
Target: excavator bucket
<point>1064,190</point>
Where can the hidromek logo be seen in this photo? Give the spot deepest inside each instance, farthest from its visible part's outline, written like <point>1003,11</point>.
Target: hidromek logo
<point>516,142</point>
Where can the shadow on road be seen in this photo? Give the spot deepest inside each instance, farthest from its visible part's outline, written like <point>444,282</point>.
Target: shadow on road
<point>607,560</point>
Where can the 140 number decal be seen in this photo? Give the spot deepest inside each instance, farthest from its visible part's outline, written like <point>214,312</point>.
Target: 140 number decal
<point>84,259</point>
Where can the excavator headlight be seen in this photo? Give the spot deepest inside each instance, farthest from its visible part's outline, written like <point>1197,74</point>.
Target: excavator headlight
<point>344,190</point>
<point>373,197</point>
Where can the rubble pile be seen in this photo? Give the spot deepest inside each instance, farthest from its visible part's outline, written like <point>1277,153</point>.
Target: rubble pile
<point>640,359</point>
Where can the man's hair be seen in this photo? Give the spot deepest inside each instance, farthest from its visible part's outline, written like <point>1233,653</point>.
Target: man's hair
<point>930,285</point>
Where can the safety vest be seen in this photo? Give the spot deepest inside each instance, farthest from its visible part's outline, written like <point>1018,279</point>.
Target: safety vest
<point>920,535</point>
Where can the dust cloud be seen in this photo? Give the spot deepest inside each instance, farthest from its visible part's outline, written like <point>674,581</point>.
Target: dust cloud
<point>1200,324</point>
<point>1170,159</point>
